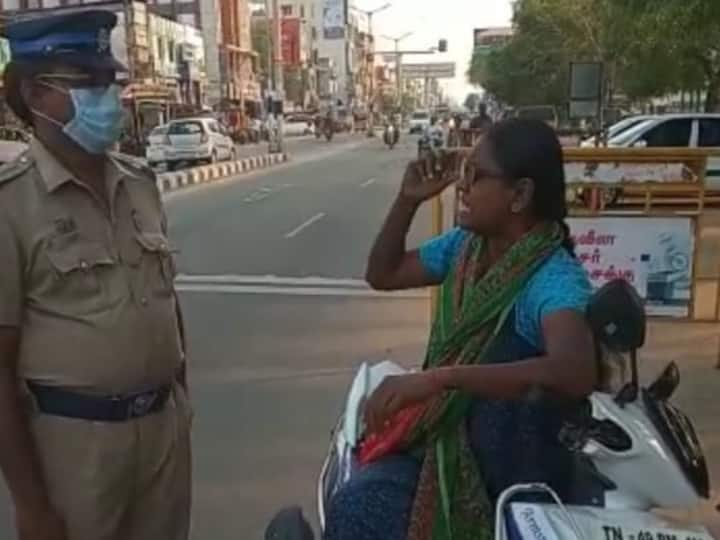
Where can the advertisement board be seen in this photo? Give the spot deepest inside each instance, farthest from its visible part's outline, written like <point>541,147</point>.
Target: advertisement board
<point>334,19</point>
<point>290,32</point>
<point>430,70</point>
<point>654,254</point>
<point>485,39</point>
<point>614,173</point>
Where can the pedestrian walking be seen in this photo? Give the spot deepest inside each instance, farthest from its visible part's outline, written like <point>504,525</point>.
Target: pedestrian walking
<point>94,417</point>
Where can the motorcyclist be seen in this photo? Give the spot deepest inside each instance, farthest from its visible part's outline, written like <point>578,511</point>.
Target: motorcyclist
<point>482,119</point>
<point>394,122</point>
<point>433,136</point>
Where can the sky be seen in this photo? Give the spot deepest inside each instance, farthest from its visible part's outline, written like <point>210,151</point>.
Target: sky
<point>431,20</point>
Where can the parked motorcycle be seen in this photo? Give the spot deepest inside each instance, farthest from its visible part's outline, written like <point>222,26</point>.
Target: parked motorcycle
<point>391,135</point>
<point>638,452</point>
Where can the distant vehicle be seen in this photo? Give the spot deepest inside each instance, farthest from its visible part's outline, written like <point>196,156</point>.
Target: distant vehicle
<point>419,121</point>
<point>690,130</point>
<point>155,149</point>
<point>618,128</point>
<point>295,125</point>
<point>197,140</point>
<point>546,113</point>
<point>391,135</point>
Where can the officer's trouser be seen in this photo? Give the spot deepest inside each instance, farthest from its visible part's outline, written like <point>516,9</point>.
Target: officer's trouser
<point>120,481</point>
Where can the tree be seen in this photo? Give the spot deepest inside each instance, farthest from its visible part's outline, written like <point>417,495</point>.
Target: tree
<point>648,49</point>
<point>682,37</point>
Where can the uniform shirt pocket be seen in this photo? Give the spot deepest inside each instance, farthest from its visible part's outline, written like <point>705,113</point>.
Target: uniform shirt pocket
<point>83,275</point>
<point>157,258</point>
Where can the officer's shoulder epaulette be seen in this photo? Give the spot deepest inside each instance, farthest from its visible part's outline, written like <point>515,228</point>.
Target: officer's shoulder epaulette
<point>134,165</point>
<point>14,169</point>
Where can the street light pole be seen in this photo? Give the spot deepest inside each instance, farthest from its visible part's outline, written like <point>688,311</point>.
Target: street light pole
<point>370,14</point>
<point>276,145</point>
<point>398,64</point>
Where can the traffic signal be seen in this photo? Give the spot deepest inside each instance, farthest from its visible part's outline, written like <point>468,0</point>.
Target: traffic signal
<point>442,45</point>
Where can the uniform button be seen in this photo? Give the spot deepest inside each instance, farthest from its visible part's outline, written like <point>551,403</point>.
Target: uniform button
<point>83,265</point>
<point>144,301</point>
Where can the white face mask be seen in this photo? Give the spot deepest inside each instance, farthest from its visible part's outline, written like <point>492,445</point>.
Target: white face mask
<point>97,123</point>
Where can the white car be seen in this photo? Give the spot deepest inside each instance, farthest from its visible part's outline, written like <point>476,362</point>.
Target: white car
<point>297,125</point>
<point>691,130</point>
<point>155,149</point>
<point>419,121</point>
<point>197,140</point>
<point>617,128</point>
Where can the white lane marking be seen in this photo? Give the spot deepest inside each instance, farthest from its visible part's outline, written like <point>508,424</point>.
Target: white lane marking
<point>309,281</point>
<point>298,291</point>
<point>265,192</point>
<point>317,217</point>
<point>368,182</point>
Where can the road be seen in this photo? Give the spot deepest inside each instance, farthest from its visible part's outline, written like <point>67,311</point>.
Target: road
<point>293,145</point>
<point>269,277</point>
<point>270,281</point>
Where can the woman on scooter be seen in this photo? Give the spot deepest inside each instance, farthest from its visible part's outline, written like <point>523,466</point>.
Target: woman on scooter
<point>509,339</point>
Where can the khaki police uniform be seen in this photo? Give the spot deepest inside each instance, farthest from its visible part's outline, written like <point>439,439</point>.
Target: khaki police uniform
<point>90,287</point>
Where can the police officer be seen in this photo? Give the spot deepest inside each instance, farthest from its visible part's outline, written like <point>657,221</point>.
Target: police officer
<point>94,419</point>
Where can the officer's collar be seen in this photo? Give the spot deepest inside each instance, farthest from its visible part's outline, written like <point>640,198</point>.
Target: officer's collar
<point>54,173</point>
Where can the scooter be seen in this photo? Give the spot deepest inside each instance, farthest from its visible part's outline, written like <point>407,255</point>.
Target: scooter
<point>640,452</point>
<point>391,136</point>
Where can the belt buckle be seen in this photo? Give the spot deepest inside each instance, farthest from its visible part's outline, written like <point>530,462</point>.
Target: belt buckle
<point>141,404</point>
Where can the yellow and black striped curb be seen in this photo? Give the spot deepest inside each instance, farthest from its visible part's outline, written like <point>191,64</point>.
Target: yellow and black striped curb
<point>170,181</point>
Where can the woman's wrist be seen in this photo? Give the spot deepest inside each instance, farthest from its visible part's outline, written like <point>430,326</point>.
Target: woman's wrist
<point>407,202</point>
<point>443,379</point>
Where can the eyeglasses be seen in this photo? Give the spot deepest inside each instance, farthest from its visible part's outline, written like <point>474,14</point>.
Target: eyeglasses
<point>474,174</point>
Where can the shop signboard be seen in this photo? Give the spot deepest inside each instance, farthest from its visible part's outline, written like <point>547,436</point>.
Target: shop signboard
<point>654,254</point>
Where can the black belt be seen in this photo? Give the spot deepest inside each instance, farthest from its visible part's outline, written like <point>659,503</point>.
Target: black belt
<point>61,402</point>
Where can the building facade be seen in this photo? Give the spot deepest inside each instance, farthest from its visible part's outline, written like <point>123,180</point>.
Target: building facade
<point>229,58</point>
<point>165,60</point>
<point>300,33</point>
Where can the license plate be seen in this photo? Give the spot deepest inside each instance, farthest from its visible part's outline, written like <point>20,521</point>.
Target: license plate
<point>550,522</point>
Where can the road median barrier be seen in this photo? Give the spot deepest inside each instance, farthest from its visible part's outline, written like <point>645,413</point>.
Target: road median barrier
<point>170,181</point>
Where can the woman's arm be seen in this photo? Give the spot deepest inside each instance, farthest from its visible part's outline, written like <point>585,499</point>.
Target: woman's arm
<point>390,265</point>
<point>567,369</point>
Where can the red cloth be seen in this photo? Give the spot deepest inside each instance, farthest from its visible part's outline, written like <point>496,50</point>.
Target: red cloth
<point>377,445</point>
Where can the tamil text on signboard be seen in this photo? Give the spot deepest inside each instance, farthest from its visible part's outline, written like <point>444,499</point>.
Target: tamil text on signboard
<point>654,254</point>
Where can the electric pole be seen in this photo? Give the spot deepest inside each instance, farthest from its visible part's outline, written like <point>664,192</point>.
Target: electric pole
<point>398,64</point>
<point>370,14</point>
<point>276,69</point>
